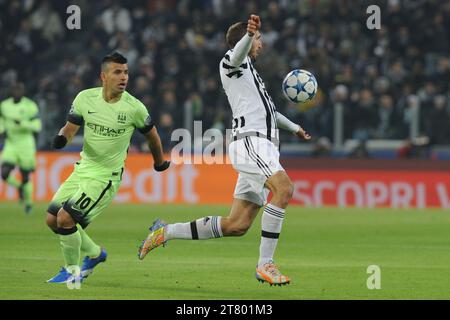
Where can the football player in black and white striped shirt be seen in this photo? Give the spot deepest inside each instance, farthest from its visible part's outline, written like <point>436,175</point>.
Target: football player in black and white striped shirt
<point>254,154</point>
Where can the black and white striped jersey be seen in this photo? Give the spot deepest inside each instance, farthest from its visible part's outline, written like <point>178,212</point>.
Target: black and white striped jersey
<point>252,107</point>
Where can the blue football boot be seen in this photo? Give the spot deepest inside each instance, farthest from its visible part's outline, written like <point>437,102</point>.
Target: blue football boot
<point>64,276</point>
<point>90,263</point>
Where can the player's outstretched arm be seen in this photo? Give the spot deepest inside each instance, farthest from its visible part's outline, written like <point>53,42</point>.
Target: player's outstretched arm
<point>65,135</point>
<point>242,48</point>
<point>154,143</point>
<point>286,124</point>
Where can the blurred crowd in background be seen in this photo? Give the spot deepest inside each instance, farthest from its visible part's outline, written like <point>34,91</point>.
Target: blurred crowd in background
<point>174,48</point>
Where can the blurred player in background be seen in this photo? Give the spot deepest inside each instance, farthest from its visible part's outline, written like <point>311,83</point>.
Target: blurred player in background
<point>109,115</point>
<point>19,119</point>
<point>254,154</point>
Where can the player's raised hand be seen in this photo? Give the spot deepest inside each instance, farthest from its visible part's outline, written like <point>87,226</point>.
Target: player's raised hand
<point>302,134</point>
<point>253,24</point>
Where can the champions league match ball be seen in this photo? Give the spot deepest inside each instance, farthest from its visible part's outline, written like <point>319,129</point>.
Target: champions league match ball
<point>299,86</point>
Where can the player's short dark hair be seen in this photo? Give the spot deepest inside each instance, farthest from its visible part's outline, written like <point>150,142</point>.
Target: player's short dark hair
<point>115,57</point>
<point>235,33</point>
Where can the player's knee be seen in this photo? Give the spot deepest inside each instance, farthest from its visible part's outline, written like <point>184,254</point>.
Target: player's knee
<point>284,193</point>
<point>50,220</point>
<point>289,190</point>
<point>64,220</point>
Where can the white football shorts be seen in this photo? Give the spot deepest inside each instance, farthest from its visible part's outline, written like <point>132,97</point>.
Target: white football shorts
<point>255,159</point>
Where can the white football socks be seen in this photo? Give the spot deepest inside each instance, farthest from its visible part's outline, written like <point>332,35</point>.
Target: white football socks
<point>271,223</point>
<point>177,231</point>
<point>200,229</point>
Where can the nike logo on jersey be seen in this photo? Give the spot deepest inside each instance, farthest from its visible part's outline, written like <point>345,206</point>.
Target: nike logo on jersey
<point>91,112</point>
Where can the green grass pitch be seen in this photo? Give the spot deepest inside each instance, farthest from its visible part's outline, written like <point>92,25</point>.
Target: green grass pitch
<point>325,251</point>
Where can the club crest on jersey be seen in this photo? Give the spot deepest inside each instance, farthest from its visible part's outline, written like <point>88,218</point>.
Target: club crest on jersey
<point>121,118</point>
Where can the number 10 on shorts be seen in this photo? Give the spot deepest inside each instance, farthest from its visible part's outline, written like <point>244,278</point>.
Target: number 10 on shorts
<point>83,202</point>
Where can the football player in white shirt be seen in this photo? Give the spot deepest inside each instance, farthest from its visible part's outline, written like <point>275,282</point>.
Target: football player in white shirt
<point>254,154</point>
